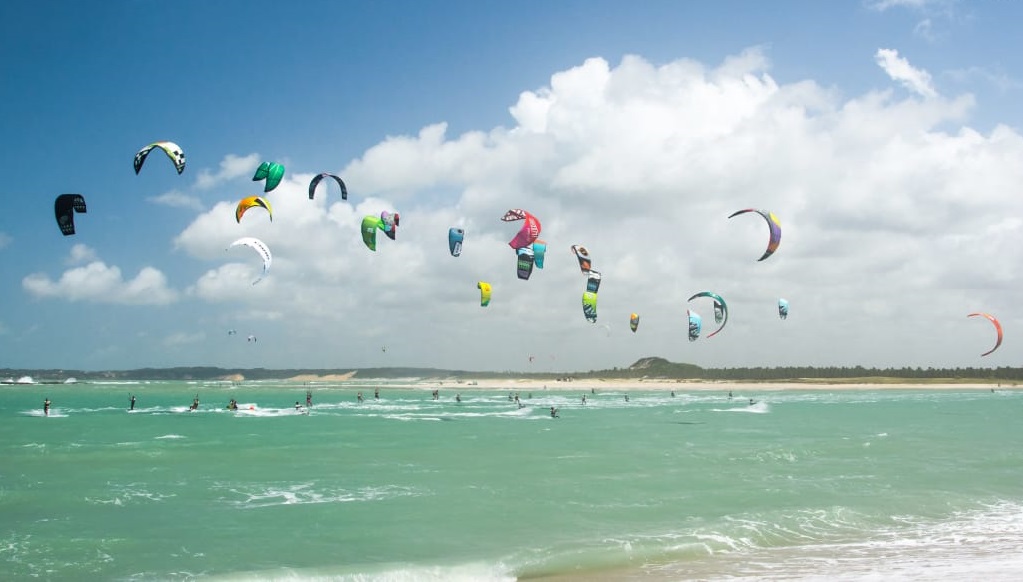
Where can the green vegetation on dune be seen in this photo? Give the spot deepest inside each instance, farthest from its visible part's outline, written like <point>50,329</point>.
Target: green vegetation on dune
<point>651,368</point>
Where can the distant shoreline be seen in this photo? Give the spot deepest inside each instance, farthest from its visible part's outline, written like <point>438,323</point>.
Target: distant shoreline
<point>585,384</point>
<point>617,384</point>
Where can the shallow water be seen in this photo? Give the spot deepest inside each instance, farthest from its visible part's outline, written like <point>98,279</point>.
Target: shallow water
<point>805,485</point>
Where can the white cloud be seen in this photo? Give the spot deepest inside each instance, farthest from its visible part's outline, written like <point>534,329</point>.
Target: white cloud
<point>896,222</point>
<point>182,338</point>
<point>176,199</point>
<point>899,69</point>
<point>935,5</point>
<point>79,254</point>
<point>98,282</point>
<point>231,167</point>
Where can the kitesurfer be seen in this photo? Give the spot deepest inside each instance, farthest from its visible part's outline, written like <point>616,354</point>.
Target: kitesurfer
<point>751,402</point>
<point>584,399</point>
<point>626,397</point>
<point>232,405</point>
<point>554,412</point>
<point>729,394</point>
<point>458,397</point>
<point>359,397</point>
<point>46,407</point>
<point>132,402</point>
<point>308,398</point>
<point>195,403</point>
<point>298,406</point>
<point>376,393</point>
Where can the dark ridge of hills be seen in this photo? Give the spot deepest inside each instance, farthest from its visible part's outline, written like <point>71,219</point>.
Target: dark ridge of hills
<point>648,368</point>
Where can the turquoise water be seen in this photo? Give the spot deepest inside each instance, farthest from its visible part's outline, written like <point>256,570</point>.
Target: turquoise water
<point>802,485</point>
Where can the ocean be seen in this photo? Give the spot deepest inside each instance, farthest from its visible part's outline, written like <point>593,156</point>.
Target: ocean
<point>844,484</point>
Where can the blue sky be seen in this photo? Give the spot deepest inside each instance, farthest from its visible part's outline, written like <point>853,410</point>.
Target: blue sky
<point>884,134</point>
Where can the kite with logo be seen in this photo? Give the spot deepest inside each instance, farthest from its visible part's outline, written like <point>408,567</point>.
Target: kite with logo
<point>173,151</point>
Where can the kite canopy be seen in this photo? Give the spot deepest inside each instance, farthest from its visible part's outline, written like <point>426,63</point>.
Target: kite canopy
<point>593,281</point>
<point>590,306</point>
<point>272,172</point>
<point>634,322</point>
<point>772,223</point>
<point>720,310</point>
<point>249,202</point>
<point>316,180</point>
<point>524,263</point>
<point>529,231</point>
<point>584,258</point>
<point>539,251</point>
<point>455,238</point>
<point>173,151</point>
<point>389,223</point>
<point>695,324</point>
<point>783,309</point>
<point>484,288</point>
<point>261,248</point>
<point>998,329</point>
<point>64,209</point>
<point>370,224</point>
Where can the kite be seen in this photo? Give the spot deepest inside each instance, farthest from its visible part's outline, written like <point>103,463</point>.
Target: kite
<point>524,264</point>
<point>634,322</point>
<point>584,258</point>
<point>772,224</point>
<point>529,231</point>
<point>272,172</point>
<point>590,306</point>
<point>593,281</point>
<point>173,151</point>
<point>484,288</point>
<point>370,224</point>
<point>695,324</point>
<point>539,251</point>
<point>783,309</point>
<point>455,238</point>
<point>389,224</point>
<point>316,181</point>
<point>261,248</point>
<point>64,208</point>
<point>249,202</point>
<point>998,328</point>
<point>720,310</point>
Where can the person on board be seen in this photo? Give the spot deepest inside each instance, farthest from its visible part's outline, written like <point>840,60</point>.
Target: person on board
<point>46,407</point>
<point>554,413</point>
<point>132,402</point>
<point>458,397</point>
<point>584,399</point>
<point>376,393</point>
<point>359,397</point>
<point>308,398</point>
<point>195,403</point>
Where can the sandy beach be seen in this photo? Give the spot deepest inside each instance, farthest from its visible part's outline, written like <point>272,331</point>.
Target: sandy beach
<point>618,385</point>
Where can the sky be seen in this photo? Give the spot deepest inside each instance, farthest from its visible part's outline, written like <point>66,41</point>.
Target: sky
<point>885,135</point>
